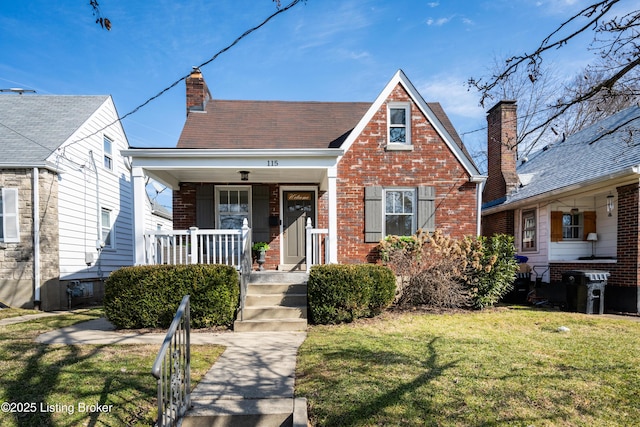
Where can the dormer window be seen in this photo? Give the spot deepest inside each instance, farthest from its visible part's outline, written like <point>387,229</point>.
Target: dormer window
<point>399,126</point>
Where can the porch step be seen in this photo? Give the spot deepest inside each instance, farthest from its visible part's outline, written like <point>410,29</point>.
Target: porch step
<point>276,301</point>
<point>254,412</point>
<point>270,325</point>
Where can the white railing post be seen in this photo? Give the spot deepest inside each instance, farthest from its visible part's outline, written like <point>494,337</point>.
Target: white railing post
<point>309,245</point>
<point>193,252</point>
<point>243,244</point>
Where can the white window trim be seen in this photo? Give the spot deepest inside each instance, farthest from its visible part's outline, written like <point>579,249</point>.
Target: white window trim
<point>10,216</point>
<point>106,155</point>
<point>112,230</point>
<point>218,188</point>
<point>397,146</point>
<point>579,227</point>
<point>536,215</point>
<point>414,214</point>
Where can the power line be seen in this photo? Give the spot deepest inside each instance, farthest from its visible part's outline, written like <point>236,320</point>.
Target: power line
<point>174,84</point>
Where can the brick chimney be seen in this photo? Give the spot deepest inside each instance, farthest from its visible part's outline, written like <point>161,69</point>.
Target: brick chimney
<point>197,91</point>
<point>502,151</point>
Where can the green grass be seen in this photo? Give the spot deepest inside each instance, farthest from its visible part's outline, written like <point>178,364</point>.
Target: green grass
<point>6,313</point>
<point>72,375</point>
<point>495,367</point>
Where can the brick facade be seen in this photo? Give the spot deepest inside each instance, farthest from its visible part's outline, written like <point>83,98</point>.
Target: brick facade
<point>498,223</point>
<point>628,249</point>
<point>431,162</point>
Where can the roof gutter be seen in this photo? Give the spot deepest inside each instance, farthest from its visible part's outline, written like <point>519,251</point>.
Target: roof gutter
<point>633,170</point>
<point>231,153</point>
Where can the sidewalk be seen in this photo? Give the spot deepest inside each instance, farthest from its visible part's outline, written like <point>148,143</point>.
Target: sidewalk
<point>254,376</point>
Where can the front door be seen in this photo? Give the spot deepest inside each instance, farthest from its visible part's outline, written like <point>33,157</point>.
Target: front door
<point>297,207</point>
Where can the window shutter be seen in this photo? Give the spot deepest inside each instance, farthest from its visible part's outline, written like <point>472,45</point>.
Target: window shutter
<point>373,214</point>
<point>589,223</point>
<point>556,226</point>
<point>426,208</point>
<point>10,224</point>
<point>205,217</point>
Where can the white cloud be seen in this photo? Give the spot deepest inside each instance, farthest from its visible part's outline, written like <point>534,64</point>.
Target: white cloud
<point>433,4</point>
<point>438,22</point>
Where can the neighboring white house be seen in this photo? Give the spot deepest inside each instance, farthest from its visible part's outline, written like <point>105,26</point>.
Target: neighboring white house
<point>573,205</point>
<point>60,159</point>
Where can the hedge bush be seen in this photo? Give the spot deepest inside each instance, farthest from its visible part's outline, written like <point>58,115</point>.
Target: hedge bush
<point>148,296</point>
<point>342,293</point>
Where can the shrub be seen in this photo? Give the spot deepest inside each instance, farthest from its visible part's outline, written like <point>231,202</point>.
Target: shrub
<point>148,296</point>
<point>440,271</point>
<point>342,293</point>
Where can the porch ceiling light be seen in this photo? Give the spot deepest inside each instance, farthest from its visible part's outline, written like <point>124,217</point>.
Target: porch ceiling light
<point>609,204</point>
<point>244,175</point>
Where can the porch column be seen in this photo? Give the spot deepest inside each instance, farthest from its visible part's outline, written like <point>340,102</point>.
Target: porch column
<point>139,197</point>
<point>332,175</point>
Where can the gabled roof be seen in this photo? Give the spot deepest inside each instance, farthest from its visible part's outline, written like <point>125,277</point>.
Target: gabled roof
<point>270,124</point>
<point>593,154</point>
<point>227,124</point>
<point>433,112</point>
<point>33,126</point>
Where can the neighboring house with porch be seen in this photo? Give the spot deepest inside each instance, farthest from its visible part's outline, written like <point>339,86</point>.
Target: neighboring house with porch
<point>66,198</point>
<point>346,174</point>
<point>573,205</point>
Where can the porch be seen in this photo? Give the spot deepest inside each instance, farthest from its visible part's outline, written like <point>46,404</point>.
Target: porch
<point>222,246</point>
<point>214,190</point>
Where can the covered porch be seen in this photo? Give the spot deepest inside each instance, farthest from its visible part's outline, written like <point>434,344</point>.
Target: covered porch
<point>224,201</point>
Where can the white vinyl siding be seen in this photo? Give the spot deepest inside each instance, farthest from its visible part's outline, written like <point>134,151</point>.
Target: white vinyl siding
<point>10,230</point>
<point>82,192</point>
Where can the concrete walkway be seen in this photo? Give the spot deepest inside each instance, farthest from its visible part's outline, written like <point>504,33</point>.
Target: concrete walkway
<point>254,376</point>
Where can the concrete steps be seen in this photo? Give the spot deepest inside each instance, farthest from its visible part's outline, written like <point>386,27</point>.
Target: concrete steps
<point>276,301</point>
<point>247,413</point>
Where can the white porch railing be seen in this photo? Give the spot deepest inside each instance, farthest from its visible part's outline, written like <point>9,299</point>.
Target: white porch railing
<point>195,246</point>
<point>316,239</point>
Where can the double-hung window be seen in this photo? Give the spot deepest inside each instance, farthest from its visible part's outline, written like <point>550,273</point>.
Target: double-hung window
<point>399,213</point>
<point>233,206</point>
<point>399,125</point>
<point>106,227</point>
<point>107,148</point>
<point>572,226</point>
<point>529,226</point>
<point>9,218</point>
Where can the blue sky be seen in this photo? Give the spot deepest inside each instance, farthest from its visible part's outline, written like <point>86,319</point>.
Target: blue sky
<point>320,50</point>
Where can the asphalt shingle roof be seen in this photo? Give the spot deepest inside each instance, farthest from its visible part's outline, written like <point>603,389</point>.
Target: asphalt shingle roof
<point>593,153</point>
<point>33,126</point>
<point>229,124</point>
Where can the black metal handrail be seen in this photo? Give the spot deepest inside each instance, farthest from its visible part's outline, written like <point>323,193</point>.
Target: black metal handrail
<point>172,368</point>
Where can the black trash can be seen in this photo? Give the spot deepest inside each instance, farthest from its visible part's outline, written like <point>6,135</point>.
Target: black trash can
<point>585,290</point>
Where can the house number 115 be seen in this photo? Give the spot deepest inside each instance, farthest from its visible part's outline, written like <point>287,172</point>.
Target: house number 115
<point>272,163</point>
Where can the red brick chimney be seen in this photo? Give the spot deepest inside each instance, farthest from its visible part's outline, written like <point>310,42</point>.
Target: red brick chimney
<point>501,151</point>
<point>197,91</point>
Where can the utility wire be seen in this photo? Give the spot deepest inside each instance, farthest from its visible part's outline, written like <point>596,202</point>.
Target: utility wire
<point>174,84</point>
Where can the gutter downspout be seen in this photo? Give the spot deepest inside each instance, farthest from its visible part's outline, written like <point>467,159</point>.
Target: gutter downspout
<point>36,239</point>
<point>98,214</point>
<point>480,181</point>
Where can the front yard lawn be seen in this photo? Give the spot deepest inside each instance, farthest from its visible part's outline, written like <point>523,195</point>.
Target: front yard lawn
<point>60,385</point>
<point>503,366</point>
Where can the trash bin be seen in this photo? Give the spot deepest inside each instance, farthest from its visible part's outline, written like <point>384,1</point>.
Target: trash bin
<point>585,290</point>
